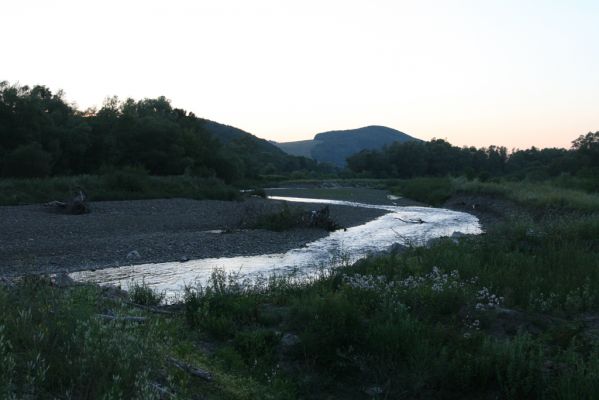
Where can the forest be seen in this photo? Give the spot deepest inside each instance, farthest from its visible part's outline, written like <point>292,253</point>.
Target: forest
<point>439,158</point>
<point>41,135</point>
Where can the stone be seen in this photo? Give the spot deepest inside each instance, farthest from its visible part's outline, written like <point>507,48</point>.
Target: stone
<point>374,391</point>
<point>289,340</point>
<point>62,280</point>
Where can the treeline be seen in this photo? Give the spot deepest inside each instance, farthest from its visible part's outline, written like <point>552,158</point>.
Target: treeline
<point>42,135</point>
<point>439,158</point>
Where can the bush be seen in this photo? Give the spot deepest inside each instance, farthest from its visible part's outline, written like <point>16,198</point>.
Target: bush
<point>52,345</point>
<point>434,191</point>
<point>30,161</point>
<point>144,295</point>
<point>130,179</point>
<point>287,218</point>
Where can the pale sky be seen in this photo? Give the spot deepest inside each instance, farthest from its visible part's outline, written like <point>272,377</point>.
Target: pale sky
<point>514,73</point>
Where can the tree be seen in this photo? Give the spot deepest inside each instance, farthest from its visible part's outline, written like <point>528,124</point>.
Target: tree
<point>587,146</point>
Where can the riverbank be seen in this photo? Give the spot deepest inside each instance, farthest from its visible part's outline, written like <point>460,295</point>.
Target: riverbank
<point>115,233</point>
<point>509,314</point>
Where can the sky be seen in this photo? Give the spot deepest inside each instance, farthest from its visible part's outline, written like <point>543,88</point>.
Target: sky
<point>481,72</point>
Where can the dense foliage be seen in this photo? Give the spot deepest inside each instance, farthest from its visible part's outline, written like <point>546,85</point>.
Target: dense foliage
<point>439,158</point>
<point>42,135</point>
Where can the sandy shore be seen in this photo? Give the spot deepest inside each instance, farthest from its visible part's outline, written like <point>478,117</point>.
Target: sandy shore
<point>34,240</point>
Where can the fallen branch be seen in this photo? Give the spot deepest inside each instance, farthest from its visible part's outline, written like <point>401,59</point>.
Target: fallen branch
<point>139,320</point>
<point>198,372</point>
<point>149,308</point>
<point>411,221</point>
<point>164,392</point>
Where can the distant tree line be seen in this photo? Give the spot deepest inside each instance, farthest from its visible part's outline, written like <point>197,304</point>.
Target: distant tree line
<point>439,158</point>
<point>42,135</point>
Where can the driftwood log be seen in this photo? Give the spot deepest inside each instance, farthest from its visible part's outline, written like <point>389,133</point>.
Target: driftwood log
<point>127,318</point>
<point>411,221</point>
<point>76,205</point>
<point>198,372</point>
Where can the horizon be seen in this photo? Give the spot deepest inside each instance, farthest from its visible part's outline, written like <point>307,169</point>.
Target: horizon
<point>499,73</point>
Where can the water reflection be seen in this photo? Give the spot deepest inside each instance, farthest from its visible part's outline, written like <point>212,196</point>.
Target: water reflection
<point>398,226</point>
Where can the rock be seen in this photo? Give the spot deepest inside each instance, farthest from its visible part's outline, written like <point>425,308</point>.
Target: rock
<point>457,235</point>
<point>6,282</point>
<point>114,292</point>
<point>184,259</point>
<point>133,255</point>
<point>374,391</point>
<point>397,248</point>
<point>62,280</point>
<point>290,340</point>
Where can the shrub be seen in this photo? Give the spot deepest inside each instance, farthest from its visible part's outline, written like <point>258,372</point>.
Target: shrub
<point>141,293</point>
<point>287,218</point>
<point>52,345</point>
<point>30,161</point>
<point>130,179</point>
<point>434,191</point>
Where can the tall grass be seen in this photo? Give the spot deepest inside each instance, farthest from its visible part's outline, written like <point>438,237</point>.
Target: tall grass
<point>533,195</point>
<point>52,345</point>
<point>434,191</point>
<point>127,184</point>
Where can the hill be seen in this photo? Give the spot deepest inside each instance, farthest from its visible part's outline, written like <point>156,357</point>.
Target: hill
<point>335,146</point>
<point>259,156</point>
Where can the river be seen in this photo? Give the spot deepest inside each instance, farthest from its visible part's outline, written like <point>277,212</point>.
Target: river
<point>403,225</point>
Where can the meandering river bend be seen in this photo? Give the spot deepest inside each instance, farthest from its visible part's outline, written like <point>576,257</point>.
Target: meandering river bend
<point>402,225</point>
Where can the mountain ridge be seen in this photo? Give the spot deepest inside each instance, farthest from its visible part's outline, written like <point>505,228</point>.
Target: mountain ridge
<point>335,146</point>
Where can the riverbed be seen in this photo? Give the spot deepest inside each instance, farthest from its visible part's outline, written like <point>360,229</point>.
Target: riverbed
<point>397,223</point>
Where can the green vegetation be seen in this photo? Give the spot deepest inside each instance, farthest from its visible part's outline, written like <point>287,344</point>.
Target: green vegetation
<point>510,314</point>
<point>554,194</point>
<point>53,344</point>
<point>285,219</point>
<point>142,294</point>
<point>434,191</point>
<point>41,135</point>
<point>123,184</point>
<point>438,158</point>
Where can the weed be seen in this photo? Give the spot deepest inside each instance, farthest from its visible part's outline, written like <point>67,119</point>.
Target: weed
<point>141,293</point>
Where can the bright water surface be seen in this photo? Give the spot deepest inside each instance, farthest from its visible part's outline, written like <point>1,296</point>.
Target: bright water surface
<point>352,244</point>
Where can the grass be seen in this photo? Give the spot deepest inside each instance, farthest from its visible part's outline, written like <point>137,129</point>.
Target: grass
<point>127,184</point>
<point>428,323</point>
<point>546,195</point>
<point>285,219</point>
<point>142,294</point>
<point>433,191</point>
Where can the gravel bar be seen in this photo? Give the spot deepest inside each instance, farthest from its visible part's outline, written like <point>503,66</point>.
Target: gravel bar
<point>115,233</point>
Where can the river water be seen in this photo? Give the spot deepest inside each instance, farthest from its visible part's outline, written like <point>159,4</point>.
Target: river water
<point>403,225</point>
